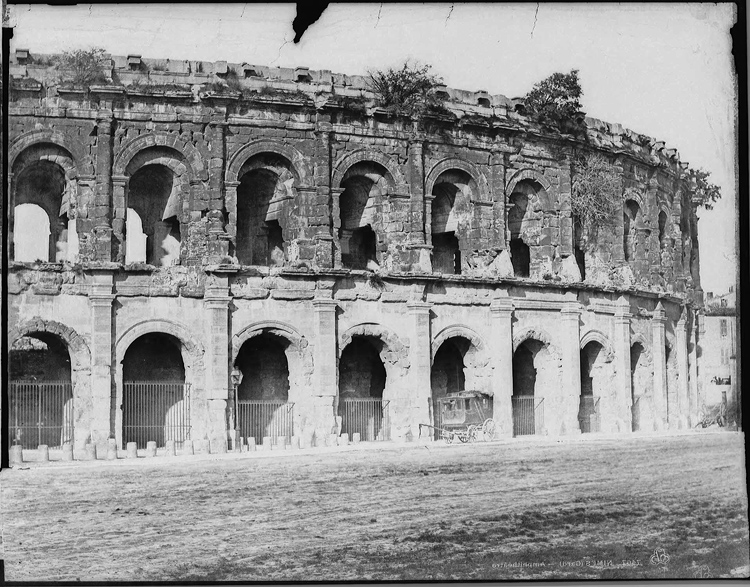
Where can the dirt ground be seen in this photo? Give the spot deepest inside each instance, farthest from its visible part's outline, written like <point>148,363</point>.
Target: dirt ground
<point>637,508</point>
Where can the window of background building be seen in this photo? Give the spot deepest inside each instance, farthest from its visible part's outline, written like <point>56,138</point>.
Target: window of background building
<point>723,328</point>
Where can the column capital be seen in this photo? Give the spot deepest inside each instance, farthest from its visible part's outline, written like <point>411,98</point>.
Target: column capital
<point>571,310</point>
<point>500,306</point>
<point>416,306</point>
<point>324,304</point>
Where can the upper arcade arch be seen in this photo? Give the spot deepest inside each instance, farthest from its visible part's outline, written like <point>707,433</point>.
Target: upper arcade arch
<point>454,163</point>
<point>124,163</point>
<point>298,164</point>
<point>342,165</point>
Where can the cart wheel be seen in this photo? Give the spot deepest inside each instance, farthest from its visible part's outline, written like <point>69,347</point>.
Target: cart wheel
<point>463,436</point>
<point>488,429</point>
<point>447,437</point>
<point>472,433</point>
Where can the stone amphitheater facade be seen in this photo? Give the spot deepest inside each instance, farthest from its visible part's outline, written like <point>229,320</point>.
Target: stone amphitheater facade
<point>328,249</point>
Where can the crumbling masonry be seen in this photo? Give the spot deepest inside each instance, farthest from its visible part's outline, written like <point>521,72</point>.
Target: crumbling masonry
<point>167,228</point>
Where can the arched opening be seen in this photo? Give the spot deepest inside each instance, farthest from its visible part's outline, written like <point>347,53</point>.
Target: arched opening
<point>638,390</point>
<point>364,184</point>
<point>529,359</point>
<point>266,182</point>
<point>520,257</point>
<point>580,258</point>
<point>262,403</point>
<point>450,214</point>
<point>447,374</point>
<point>152,221</point>
<point>40,392</point>
<point>156,398</point>
<point>41,227</point>
<point>446,256</point>
<point>362,380</point>
<point>629,218</point>
<point>592,355</point>
<point>662,228</point>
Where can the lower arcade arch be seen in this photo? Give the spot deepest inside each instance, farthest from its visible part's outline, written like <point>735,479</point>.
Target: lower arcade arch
<point>363,381</point>
<point>155,393</point>
<point>40,392</point>
<point>261,407</point>
<point>534,374</point>
<point>448,373</point>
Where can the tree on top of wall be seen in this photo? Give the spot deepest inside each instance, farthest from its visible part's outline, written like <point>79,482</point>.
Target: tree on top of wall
<point>556,100</point>
<point>408,90</point>
<point>82,66</point>
<point>704,191</point>
<point>595,194</point>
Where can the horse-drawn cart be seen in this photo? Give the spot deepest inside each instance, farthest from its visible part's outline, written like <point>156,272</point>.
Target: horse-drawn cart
<point>464,416</point>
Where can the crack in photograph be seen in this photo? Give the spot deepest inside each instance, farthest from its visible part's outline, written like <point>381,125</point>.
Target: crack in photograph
<point>372,292</point>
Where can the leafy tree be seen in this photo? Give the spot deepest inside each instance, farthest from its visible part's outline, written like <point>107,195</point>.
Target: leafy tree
<point>83,66</point>
<point>705,191</point>
<point>556,99</point>
<point>596,193</point>
<point>407,90</point>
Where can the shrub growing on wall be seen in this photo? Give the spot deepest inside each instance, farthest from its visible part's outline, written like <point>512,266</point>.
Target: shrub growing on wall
<point>596,194</point>
<point>408,90</point>
<point>705,191</point>
<point>82,66</point>
<point>556,100</point>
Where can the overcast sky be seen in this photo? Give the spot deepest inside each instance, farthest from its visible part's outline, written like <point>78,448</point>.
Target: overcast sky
<point>664,70</point>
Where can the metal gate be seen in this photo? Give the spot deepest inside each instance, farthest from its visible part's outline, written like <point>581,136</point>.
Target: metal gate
<point>259,418</point>
<point>588,414</point>
<point>40,413</point>
<point>636,413</point>
<point>155,410</point>
<point>368,416</point>
<point>528,415</point>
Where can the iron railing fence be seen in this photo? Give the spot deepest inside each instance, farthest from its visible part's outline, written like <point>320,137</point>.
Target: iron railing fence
<point>589,416</point>
<point>368,416</point>
<point>635,411</point>
<point>260,418</point>
<point>528,415</point>
<point>155,411</point>
<point>41,412</point>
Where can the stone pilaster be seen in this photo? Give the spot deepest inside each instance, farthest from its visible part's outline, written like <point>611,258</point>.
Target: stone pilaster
<point>693,399</point>
<point>324,399</point>
<point>683,389</point>
<point>497,164</point>
<point>624,391</point>
<point>571,372</point>
<point>119,212</point>
<point>324,242</point>
<point>102,209</point>
<point>102,410</point>
<point>217,361</point>
<point>658,326</point>
<point>501,310</point>
<point>420,398</point>
<point>336,224</point>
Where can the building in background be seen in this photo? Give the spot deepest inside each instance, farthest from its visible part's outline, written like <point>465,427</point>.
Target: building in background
<point>717,350</point>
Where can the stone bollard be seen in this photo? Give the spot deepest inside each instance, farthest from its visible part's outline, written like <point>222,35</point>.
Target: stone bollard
<point>266,445</point>
<point>243,446</point>
<point>43,453</point>
<point>132,450</point>
<point>151,448</point>
<point>67,452</point>
<point>355,438</point>
<point>295,444</point>
<point>187,447</point>
<point>333,440</point>
<point>171,448</point>
<point>281,442</point>
<point>321,437</point>
<point>90,452</point>
<point>16,454</point>
<point>307,438</point>
<point>203,446</point>
<point>250,444</point>
<point>344,439</point>
<point>112,450</point>
<point>218,445</point>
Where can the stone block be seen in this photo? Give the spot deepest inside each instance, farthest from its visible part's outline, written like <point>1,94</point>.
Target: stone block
<point>67,452</point>
<point>151,448</point>
<point>294,443</point>
<point>266,444</point>
<point>89,452</point>
<point>16,454</point>
<point>132,450</point>
<point>343,439</point>
<point>356,438</point>
<point>188,448</point>
<point>281,442</point>
<point>43,451</point>
<point>171,448</point>
<point>251,444</point>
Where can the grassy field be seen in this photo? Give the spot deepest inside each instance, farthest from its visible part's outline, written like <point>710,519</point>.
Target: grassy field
<point>636,508</point>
